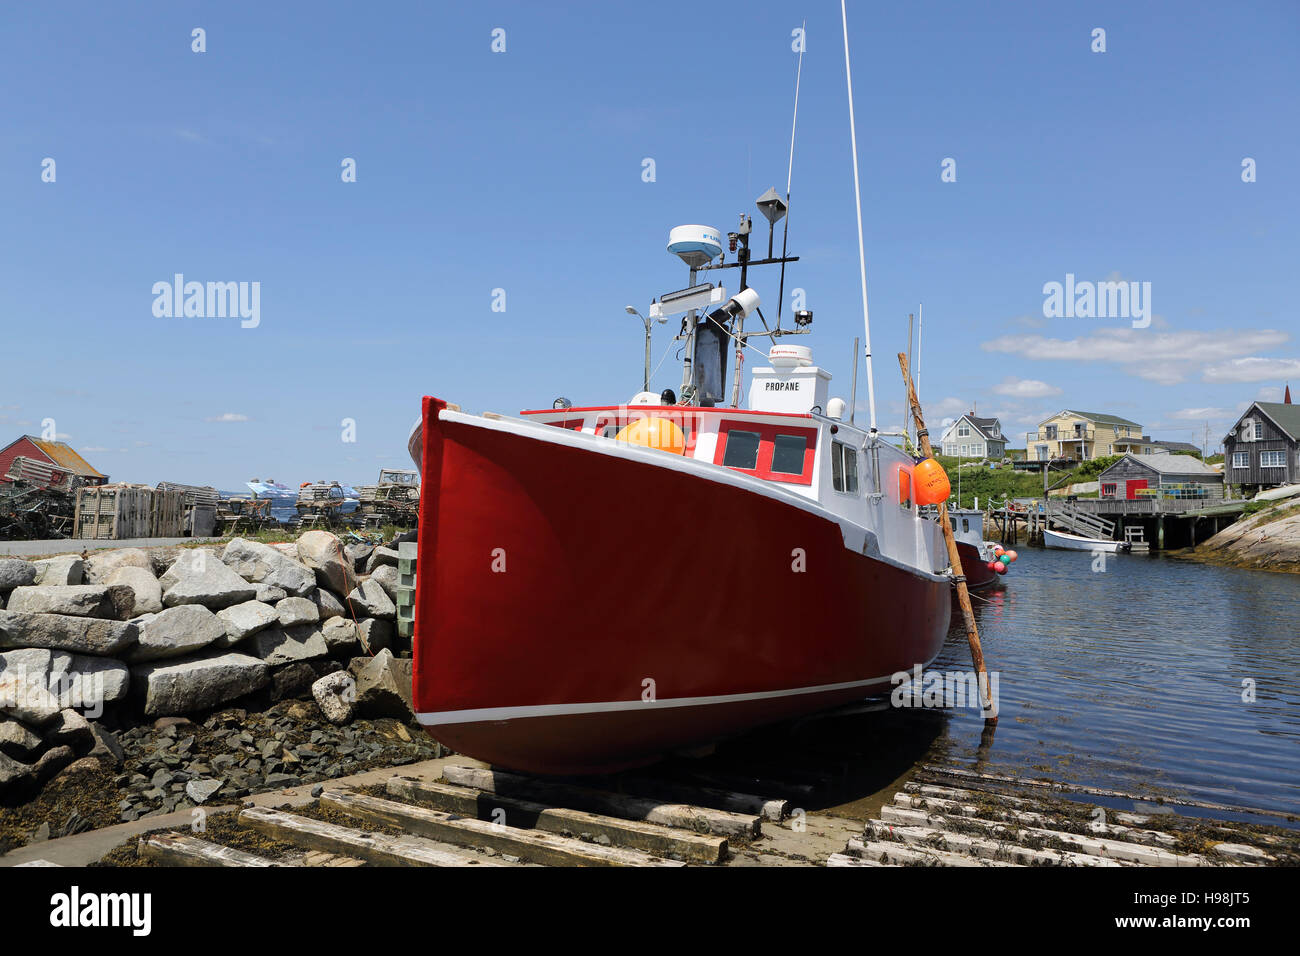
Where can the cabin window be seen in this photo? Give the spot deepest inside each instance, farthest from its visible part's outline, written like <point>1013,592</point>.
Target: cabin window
<point>787,454</point>
<point>774,452</point>
<point>572,424</point>
<point>965,524</point>
<point>905,490</point>
<point>1240,459</point>
<point>742,449</point>
<point>844,468</point>
<point>1272,459</point>
<point>609,427</point>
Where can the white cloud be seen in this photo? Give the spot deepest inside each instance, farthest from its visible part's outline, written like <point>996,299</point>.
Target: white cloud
<point>1251,369</point>
<point>95,448</point>
<point>228,417</point>
<point>1162,357</point>
<point>1200,414</point>
<point>1025,388</point>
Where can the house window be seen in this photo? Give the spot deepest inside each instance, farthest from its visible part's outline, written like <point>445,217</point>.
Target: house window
<point>1051,433</point>
<point>1108,490</point>
<point>844,468</point>
<point>963,430</point>
<point>965,451</point>
<point>997,432</point>
<point>773,452</point>
<point>1272,459</point>
<point>1240,459</point>
<point>1259,431</point>
<point>1043,453</point>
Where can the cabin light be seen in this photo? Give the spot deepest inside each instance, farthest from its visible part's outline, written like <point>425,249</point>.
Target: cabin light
<point>803,317</point>
<point>667,397</point>
<point>732,238</point>
<point>561,402</point>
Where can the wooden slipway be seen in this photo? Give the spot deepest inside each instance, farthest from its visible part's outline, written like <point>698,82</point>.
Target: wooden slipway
<point>459,814</point>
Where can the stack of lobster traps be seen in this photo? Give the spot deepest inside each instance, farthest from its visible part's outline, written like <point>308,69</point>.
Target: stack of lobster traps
<point>395,500</point>
<point>37,500</point>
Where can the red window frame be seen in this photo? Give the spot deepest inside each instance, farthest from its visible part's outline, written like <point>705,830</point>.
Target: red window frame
<point>766,438</point>
<point>688,421</point>
<point>1109,488</point>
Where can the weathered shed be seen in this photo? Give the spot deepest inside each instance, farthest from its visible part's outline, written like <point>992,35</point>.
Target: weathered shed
<point>1263,449</point>
<point>56,453</point>
<point>1164,476</point>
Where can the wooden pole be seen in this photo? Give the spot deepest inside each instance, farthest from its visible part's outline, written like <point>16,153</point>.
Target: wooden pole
<point>963,595</point>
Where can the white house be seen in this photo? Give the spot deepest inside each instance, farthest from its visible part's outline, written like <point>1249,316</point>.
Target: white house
<point>971,437</point>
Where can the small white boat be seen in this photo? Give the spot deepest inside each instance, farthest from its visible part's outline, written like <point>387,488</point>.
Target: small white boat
<point>1077,542</point>
<point>1278,494</point>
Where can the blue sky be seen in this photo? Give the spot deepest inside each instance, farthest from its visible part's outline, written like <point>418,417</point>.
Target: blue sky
<point>522,171</point>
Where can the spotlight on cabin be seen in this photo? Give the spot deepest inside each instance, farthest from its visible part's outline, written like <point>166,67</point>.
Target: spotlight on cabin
<point>561,402</point>
<point>803,317</point>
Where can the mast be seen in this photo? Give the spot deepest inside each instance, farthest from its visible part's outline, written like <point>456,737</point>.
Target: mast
<point>862,255</point>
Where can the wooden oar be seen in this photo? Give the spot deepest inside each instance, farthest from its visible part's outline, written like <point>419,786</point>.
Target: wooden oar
<point>963,595</point>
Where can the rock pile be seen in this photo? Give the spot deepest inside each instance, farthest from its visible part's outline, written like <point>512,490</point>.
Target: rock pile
<point>132,635</point>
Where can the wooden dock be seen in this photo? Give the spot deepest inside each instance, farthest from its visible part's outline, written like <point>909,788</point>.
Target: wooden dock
<point>475,816</point>
<point>953,817</point>
<point>1155,523</point>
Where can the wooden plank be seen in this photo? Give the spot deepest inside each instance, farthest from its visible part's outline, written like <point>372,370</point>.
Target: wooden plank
<point>1101,846</point>
<point>997,782</point>
<point>536,846</point>
<point>176,849</point>
<point>843,859</point>
<point>377,848</point>
<point>902,853</point>
<point>699,819</point>
<point>656,788</point>
<point>650,837</point>
<point>1050,821</point>
<point>987,849</point>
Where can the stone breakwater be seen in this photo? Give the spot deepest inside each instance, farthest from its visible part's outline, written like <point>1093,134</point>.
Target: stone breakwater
<point>1268,540</point>
<point>102,648</point>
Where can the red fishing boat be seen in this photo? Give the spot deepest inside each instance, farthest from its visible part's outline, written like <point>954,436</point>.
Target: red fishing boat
<point>601,585</point>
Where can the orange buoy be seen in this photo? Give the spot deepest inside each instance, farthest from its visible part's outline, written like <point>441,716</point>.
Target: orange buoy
<point>1012,555</point>
<point>654,432</point>
<point>931,481</point>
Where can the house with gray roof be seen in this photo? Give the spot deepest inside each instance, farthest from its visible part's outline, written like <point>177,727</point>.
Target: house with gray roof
<point>973,437</point>
<point>1135,477</point>
<point>1263,448</point>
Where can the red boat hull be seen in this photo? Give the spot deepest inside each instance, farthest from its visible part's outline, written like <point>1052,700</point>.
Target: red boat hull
<point>578,612</point>
<point>975,567</point>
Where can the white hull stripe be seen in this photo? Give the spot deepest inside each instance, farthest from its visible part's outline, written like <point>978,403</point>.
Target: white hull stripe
<point>563,710</point>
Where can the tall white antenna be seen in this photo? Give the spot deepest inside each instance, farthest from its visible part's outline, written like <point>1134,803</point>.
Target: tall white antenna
<point>920,314</point>
<point>789,174</point>
<point>857,194</point>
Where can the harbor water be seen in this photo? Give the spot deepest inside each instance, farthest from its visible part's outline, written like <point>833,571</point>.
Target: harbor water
<point>1155,675</point>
